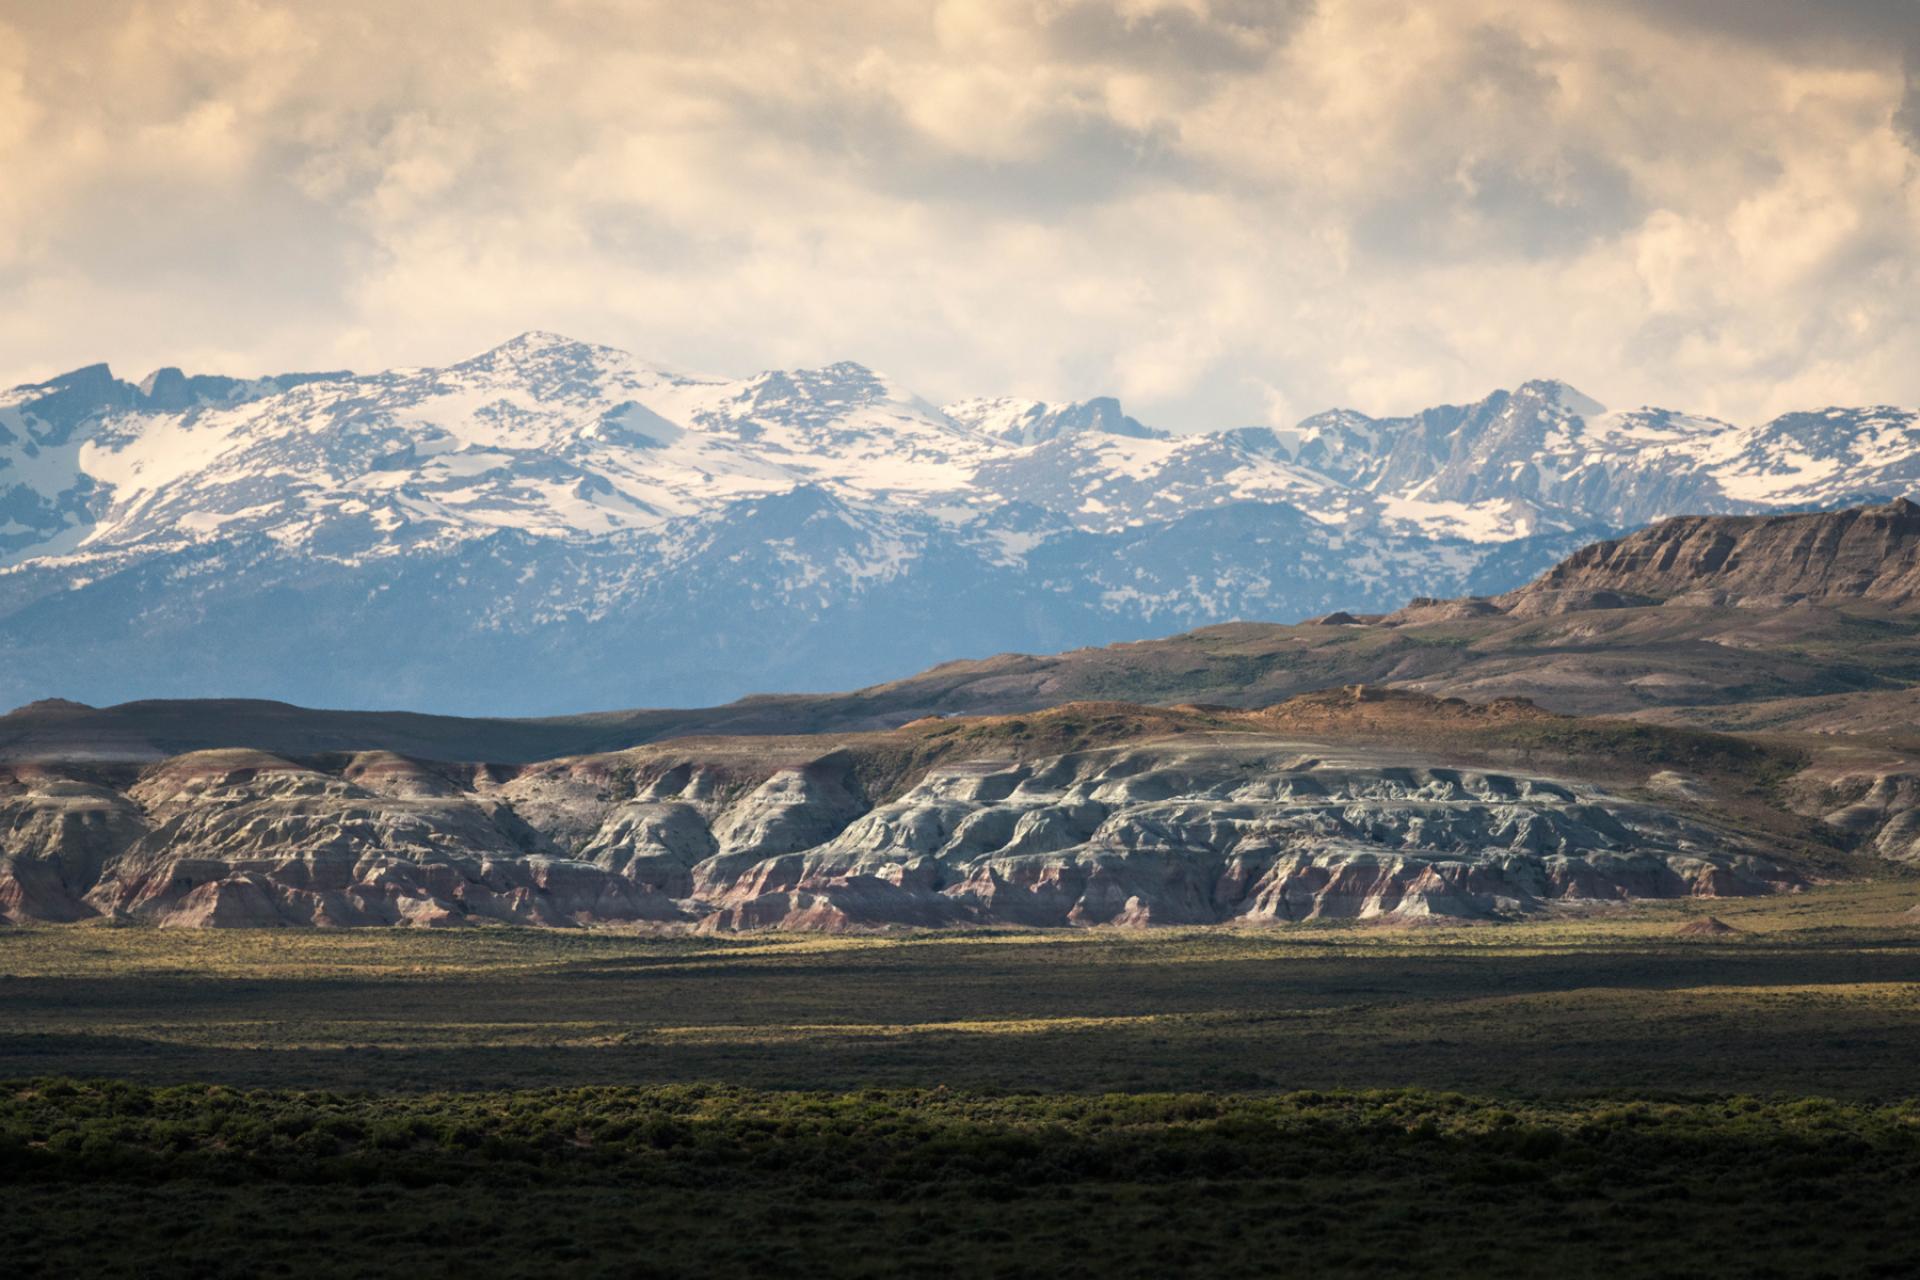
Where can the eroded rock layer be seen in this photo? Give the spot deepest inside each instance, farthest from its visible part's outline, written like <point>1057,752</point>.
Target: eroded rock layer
<point>1198,828</point>
<point>1861,553</point>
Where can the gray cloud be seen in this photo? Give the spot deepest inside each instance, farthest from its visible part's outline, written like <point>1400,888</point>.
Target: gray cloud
<point>1846,29</point>
<point>1790,26</point>
<point>1077,159</point>
<point>1224,211</point>
<point>1470,192</point>
<point>1225,38</point>
<point>1495,207</point>
<point>1907,118</point>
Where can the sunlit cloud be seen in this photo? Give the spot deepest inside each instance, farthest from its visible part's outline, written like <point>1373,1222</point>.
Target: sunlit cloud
<point>1224,212</point>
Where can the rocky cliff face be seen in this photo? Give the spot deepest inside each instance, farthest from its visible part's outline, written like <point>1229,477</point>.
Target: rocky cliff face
<point>1200,834</point>
<point>1870,794</point>
<point>1863,553</point>
<point>56,836</point>
<point>1200,827</point>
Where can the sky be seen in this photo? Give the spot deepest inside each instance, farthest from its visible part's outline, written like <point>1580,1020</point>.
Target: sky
<point>1224,212</point>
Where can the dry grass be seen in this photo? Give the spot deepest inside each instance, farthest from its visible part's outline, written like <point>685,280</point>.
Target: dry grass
<point>1820,985</point>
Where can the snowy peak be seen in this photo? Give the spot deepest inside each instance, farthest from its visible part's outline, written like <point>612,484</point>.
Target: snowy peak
<point>1029,422</point>
<point>809,398</point>
<point>47,412</point>
<point>166,390</point>
<point>1346,445</point>
<point>535,341</point>
<point>550,437</point>
<point>842,426</point>
<point>93,391</point>
<point>1829,458</point>
<point>548,367</point>
<point>536,346</point>
<point>1542,456</point>
<point>1559,395</point>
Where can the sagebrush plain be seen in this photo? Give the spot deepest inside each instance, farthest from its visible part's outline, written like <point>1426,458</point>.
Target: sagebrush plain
<point>1576,1096</point>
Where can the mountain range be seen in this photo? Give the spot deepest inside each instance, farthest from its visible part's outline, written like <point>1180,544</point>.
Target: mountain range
<point>553,525</point>
<point>1245,773</point>
<point>1725,622</point>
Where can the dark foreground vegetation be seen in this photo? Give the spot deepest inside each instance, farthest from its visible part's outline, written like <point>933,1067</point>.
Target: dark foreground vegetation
<point>1597,1097</point>
<point>134,1180</point>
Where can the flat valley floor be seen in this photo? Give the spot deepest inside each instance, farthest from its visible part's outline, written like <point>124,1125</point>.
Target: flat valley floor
<point>1588,1096</point>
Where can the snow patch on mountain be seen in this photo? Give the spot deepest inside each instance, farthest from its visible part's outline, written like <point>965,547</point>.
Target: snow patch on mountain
<point>1026,422</point>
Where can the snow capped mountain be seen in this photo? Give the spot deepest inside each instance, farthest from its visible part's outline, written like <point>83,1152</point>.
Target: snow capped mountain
<point>553,524</point>
<point>46,492</point>
<point>1036,422</point>
<point>1541,457</point>
<point>1546,456</point>
<point>1823,459</point>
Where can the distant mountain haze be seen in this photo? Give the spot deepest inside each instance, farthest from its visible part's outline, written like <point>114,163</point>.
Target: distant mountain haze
<point>554,526</point>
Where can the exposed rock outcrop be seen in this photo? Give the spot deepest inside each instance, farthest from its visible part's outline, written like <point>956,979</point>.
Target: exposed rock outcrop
<point>244,838</point>
<point>1179,834</point>
<point>1199,827</point>
<point>56,835</point>
<point>1863,553</point>
<point>1878,804</point>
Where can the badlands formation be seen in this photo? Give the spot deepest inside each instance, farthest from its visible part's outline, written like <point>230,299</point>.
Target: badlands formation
<point>1090,814</point>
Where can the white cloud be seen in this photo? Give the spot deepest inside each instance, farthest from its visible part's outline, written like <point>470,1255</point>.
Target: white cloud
<point>1220,211</point>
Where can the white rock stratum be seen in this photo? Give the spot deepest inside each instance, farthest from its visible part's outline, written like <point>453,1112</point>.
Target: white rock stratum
<point>724,836</point>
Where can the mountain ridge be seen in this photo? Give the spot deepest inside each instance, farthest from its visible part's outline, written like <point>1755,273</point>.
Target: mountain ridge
<point>554,524</point>
<point>1860,553</point>
<point>1609,648</point>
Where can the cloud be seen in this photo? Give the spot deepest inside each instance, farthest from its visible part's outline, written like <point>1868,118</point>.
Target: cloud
<point>1848,31</point>
<point>1788,26</point>
<point>1222,211</point>
<point>1907,118</point>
